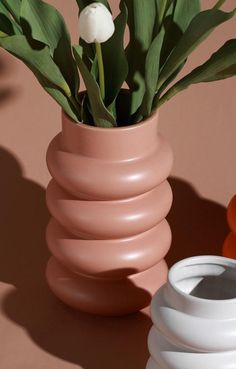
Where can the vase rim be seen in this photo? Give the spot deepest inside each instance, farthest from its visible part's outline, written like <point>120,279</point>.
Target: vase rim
<point>220,261</point>
<point>128,128</point>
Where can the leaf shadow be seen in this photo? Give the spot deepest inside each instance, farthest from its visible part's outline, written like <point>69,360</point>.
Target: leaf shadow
<point>6,92</point>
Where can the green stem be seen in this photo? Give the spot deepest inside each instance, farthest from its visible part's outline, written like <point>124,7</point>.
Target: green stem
<point>100,69</point>
<point>219,4</point>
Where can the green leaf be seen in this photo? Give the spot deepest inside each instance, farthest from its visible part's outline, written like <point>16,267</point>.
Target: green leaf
<point>41,64</point>
<point>142,23</point>
<point>114,58</point>
<point>101,116</point>
<point>152,69</point>
<point>184,12</point>
<point>221,65</point>
<point>164,86</point>
<point>38,59</point>
<point>7,24</point>
<point>176,22</point>
<point>44,23</point>
<point>13,6</point>
<point>199,28</point>
<point>162,8</point>
<point>59,97</point>
<point>86,116</point>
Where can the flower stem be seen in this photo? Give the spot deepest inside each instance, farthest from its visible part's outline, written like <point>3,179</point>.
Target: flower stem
<point>100,69</point>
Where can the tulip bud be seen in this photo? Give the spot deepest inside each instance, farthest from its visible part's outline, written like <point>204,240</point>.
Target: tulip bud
<point>96,23</point>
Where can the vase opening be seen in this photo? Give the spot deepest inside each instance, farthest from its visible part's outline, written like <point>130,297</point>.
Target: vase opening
<point>205,277</point>
<point>123,108</point>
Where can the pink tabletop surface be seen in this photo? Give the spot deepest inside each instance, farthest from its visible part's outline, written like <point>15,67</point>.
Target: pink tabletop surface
<point>36,330</point>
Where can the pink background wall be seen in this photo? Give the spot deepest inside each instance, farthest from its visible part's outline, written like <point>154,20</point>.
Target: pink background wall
<point>36,330</point>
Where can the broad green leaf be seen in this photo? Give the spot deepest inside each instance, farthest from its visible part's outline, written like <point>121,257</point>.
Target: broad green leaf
<point>13,6</point>
<point>89,53</point>
<point>184,12</point>
<point>44,23</point>
<point>38,59</point>
<point>176,22</point>
<point>198,30</point>
<point>141,22</point>
<point>162,8</point>
<point>152,69</point>
<point>3,9</point>
<point>221,65</point>
<point>42,65</point>
<point>83,3</point>
<point>164,86</point>
<point>7,24</point>
<point>101,116</point>
<point>114,57</point>
<point>59,97</point>
<point>86,116</point>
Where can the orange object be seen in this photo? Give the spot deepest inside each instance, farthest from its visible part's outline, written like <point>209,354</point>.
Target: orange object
<point>229,246</point>
<point>231,214</point>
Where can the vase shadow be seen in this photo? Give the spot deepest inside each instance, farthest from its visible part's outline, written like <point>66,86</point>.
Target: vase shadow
<point>198,225</point>
<point>91,342</point>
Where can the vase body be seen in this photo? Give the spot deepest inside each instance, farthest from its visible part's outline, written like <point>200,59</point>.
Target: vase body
<point>194,316</point>
<point>229,246</point>
<point>108,198</point>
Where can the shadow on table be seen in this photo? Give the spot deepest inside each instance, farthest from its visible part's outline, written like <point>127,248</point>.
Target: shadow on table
<point>88,341</point>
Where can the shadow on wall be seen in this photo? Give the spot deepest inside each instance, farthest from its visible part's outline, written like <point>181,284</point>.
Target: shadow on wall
<point>6,92</point>
<point>198,225</point>
<point>89,341</point>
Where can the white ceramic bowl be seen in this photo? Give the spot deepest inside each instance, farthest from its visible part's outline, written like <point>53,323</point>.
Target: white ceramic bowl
<point>169,356</point>
<point>194,316</point>
<point>151,364</point>
<point>200,334</point>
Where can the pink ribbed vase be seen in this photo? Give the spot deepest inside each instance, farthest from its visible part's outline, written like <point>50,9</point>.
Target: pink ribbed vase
<point>108,199</point>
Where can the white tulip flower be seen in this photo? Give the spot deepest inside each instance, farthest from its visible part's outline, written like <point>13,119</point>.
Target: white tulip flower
<point>96,23</point>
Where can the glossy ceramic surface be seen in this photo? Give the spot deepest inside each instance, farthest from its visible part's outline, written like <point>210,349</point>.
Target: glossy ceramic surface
<point>229,247</point>
<point>108,199</point>
<point>194,316</point>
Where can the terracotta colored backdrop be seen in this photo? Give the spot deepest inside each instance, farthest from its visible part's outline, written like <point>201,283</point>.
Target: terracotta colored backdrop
<point>36,330</point>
